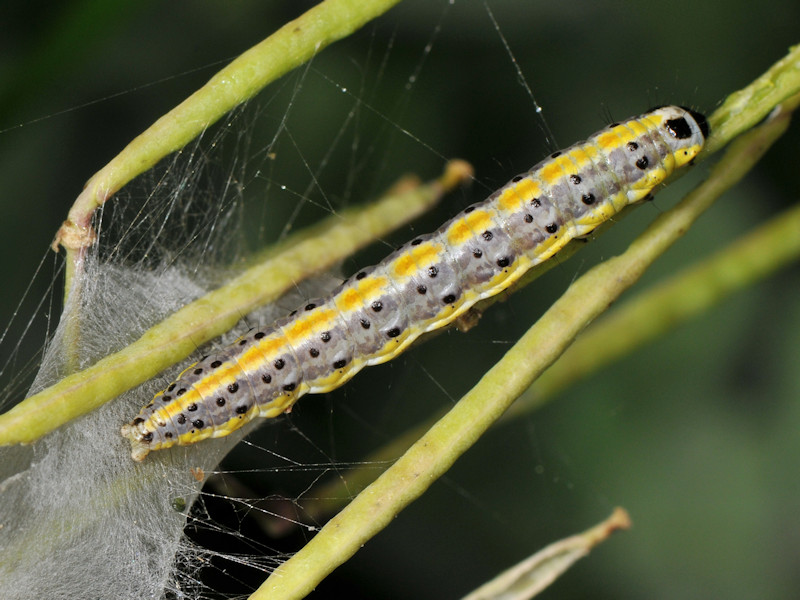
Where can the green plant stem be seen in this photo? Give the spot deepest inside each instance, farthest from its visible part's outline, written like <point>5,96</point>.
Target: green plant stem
<point>181,333</point>
<point>746,107</point>
<point>630,326</point>
<point>669,304</point>
<point>542,344</point>
<point>536,573</point>
<point>290,46</point>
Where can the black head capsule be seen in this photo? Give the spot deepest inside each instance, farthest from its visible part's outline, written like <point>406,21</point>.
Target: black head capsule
<point>679,128</point>
<point>700,119</point>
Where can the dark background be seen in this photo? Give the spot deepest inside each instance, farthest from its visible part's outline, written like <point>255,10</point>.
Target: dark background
<point>695,435</point>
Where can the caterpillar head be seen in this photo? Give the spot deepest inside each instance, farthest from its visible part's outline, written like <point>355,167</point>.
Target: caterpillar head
<point>683,130</point>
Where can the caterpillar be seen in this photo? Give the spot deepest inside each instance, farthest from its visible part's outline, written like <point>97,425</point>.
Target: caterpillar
<point>424,285</point>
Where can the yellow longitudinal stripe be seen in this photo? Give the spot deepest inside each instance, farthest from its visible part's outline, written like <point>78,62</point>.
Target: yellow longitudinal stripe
<point>514,197</point>
<point>555,171</point>
<point>315,321</point>
<point>458,233</point>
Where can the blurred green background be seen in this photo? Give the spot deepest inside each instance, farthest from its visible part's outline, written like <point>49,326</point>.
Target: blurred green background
<point>695,435</point>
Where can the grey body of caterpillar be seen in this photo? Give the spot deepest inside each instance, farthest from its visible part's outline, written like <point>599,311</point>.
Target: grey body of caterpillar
<point>424,285</point>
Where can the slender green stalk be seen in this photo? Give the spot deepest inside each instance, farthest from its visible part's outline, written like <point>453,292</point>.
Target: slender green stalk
<point>626,329</point>
<point>746,107</point>
<point>633,324</point>
<point>669,304</point>
<point>178,336</point>
<point>292,45</point>
<point>544,342</point>
<point>536,573</point>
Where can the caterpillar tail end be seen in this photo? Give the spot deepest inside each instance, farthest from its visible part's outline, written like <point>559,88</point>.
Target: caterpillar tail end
<point>136,434</point>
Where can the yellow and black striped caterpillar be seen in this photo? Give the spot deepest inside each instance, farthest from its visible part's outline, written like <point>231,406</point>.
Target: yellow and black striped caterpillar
<point>424,285</point>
